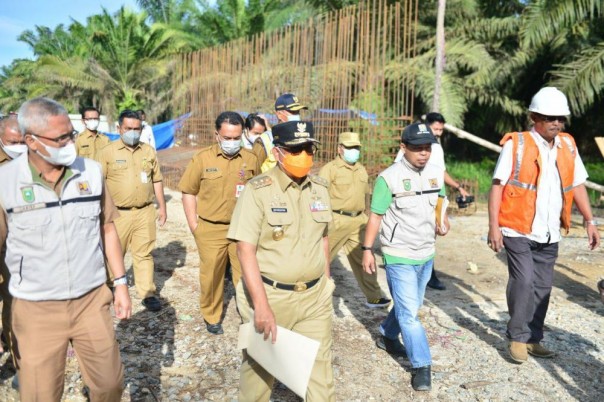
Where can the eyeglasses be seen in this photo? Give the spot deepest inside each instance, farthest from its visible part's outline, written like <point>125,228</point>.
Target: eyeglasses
<point>61,140</point>
<point>310,149</point>
<point>551,119</point>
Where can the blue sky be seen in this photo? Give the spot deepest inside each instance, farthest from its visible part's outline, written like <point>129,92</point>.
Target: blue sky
<point>18,15</point>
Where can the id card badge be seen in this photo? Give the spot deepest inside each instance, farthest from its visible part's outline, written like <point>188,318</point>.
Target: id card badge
<point>144,178</point>
<point>238,189</point>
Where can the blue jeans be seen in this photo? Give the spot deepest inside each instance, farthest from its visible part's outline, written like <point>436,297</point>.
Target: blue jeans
<point>407,285</point>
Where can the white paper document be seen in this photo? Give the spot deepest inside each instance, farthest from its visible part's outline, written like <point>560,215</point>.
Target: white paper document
<point>290,359</point>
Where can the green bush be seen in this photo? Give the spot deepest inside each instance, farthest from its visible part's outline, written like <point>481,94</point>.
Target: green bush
<point>482,171</point>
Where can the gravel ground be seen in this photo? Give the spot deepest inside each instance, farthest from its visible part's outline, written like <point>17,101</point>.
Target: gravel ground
<point>169,356</point>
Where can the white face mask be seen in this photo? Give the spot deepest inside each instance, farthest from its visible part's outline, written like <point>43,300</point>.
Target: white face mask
<point>92,125</point>
<point>63,156</point>
<point>13,151</point>
<point>230,147</point>
<point>251,138</point>
<point>131,138</point>
<point>351,155</point>
<point>293,117</point>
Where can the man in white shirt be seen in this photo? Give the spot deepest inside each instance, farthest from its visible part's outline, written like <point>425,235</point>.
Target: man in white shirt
<point>538,176</point>
<point>147,135</point>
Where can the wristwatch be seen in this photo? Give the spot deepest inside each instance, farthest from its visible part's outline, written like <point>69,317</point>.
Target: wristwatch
<point>592,222</point>
<point>365,248</point>
<point>123,280</point>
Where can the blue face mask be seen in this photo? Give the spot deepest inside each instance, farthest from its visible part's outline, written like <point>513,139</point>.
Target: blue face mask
<point>351,155</point>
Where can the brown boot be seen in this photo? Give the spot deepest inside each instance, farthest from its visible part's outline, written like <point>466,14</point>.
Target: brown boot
<point>518,351</point>
<point>539,351</point>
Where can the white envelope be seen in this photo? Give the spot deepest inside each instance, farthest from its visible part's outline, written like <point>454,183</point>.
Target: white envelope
<point>290,359</point>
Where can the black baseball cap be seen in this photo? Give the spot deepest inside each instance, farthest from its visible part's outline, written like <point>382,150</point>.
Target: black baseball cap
<point>289,102</point>
<point>418,134</point>
<point>293,133</point>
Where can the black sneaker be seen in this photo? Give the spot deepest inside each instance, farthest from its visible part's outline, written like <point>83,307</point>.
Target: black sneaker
<point>152,303</point>
<point>421,378</point>
<point>392,346</point>
<point>382,302</point>
<point>215,329</point>
<point>435,283</point>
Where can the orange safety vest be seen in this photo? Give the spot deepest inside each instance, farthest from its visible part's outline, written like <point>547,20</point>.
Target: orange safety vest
<point>520,192</point>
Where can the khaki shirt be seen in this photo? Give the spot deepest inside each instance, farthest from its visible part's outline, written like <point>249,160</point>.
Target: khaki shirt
<point>88,144</point>
<point>259,151</point>
<point>4,158</point>
<point>286,222</point>
<point>348,185</point>
<point>218,181</point>
<point>130,173</point>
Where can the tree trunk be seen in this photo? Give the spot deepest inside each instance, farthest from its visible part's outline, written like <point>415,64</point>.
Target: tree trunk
<point>440,54</point>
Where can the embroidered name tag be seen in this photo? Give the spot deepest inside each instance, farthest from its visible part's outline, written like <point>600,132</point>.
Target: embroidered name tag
<point>279,210</point>
<point>211,170</point>
<point>120,161</point>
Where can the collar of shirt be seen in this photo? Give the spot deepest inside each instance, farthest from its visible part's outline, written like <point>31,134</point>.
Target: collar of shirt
<point>542,142</point>
<point>285,181</point>
<point>409,166</point>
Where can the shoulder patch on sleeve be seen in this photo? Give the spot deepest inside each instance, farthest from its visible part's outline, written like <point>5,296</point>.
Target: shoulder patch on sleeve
<point>260,181</point>
<point>319,180</point>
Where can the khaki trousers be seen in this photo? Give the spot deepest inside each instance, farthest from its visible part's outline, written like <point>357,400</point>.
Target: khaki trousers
<point>136,230</point>
<point>7,300</point>
<point>309,313</point>
<point>348,232</point>
<point>42,331</point>
<point>215,250</point>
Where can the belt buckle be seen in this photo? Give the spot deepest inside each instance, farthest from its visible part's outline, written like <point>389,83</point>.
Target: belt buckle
<point>354,214</point>
<point>300,287</point>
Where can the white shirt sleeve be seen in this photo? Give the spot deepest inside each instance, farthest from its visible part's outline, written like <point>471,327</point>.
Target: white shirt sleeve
<point>581,175</point>
<point>503,170</point>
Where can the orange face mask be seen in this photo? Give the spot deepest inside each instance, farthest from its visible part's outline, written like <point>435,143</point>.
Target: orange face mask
<point>297,165</point>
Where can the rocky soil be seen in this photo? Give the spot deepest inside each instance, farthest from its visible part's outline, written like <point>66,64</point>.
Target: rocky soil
<point>169,356</point>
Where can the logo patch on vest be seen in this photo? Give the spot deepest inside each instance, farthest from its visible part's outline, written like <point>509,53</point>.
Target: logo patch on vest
<point>407,184</point>
<point>84,188</point>
<point>433,183</point>
<point>28,194</point>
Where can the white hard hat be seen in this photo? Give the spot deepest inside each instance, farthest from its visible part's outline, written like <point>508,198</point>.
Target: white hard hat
<point>550,101</point>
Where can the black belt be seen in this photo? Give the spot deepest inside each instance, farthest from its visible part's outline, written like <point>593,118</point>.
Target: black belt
<point>296,287</point>
<point>132,208</point>
<point>347,213</point>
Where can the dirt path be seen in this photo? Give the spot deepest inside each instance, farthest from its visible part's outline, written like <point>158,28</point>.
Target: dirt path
<point>170,357</point>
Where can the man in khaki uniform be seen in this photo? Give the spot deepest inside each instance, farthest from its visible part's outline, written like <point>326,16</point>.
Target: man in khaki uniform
<point>133,177</point>
<point>280,224</point>
<point>348,187</point>
<point>90,141</point>
<point>210,187</point>
<point>12,144</point>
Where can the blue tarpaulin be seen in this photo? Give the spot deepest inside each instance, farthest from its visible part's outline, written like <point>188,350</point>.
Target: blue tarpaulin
<point>163,132</point>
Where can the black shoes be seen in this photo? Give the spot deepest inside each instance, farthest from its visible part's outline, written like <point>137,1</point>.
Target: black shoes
<point>435,283</point>
<point>421,378</point>
<point>392,346</point>
<point>152,303</point>
<point>215,329</point>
